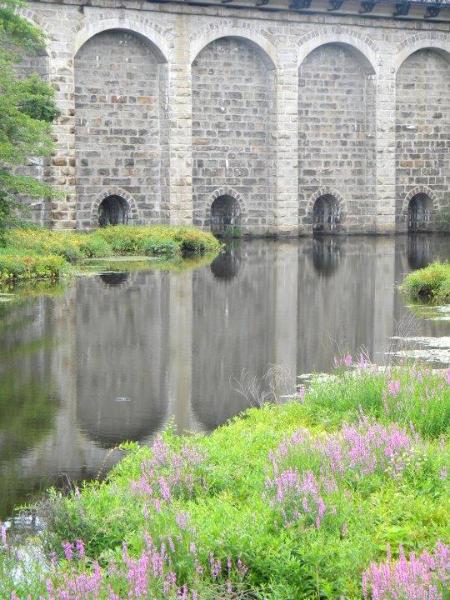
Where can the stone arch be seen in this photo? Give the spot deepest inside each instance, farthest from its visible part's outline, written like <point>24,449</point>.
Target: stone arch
<point>233,126</point>
<point>422,93</point>
<point>203,38</point>
<point>133,211</point>
<point>121,121</point>
<point>139,27</point>
<point>325,193</point>
<point>422,193</point>
<point>438,42</point>
<point>418,190</point>
<point>337,125</point>
<point>225,192</point>
<point>364,48</point>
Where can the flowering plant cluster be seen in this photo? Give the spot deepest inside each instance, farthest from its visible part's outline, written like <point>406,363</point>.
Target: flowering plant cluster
<point>168,474</point>
<point>152,574</point>
<point>423,577</point>
<point>308,471</point>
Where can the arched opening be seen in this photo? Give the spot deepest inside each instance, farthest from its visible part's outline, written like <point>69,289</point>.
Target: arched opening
<point>326,214</point>
<point>225,216</point>
<point>419,213</point>
<point>121,124</point>
<point>422,133</point>
<point>336,131</point>
<point>113,210</point>
<point>233,121</point>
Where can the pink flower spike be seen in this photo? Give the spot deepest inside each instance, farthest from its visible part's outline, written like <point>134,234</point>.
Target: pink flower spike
<point>394,388</point>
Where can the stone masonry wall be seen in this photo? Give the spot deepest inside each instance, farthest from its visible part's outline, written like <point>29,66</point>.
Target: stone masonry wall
<point>233,96</point>
<point>336,123</point>
<point>120,137</point>
<point>309,103</point>
<point>423,132</point>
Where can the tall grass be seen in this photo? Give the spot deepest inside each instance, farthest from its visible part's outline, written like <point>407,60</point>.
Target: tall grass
<point>297,500</point>
<point>34,252</point>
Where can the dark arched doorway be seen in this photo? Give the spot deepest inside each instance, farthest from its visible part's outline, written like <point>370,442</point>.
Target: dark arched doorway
<point>225,216</point>
<point>113,211</point>
<point>326,214</point>
<point>419,213</point>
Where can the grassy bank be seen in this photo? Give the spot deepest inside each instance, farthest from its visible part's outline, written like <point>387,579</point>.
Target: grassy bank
<point>430,284</point>
<point>37,253</point>
<point>324,497</point>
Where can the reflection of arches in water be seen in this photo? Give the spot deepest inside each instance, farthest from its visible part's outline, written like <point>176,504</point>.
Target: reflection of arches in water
<point>326,214</point>
<point>113,210</point>
<point>112,279</point>
<point>419,213</point>
<point>419,251</point>
<point>326,255</point>
<point>109,418</point>
<point>225,215</point>
<point>226,265</point>
<point>122,357</point>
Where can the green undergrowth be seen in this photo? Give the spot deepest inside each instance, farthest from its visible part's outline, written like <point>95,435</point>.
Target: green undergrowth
<point>222,503</point>
<point>35,253</point>
<point>431,284</point>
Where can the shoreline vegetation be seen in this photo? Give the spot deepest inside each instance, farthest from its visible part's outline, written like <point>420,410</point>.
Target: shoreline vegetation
<point>340,492</point>
<point>430,284</point>
<point>35,253</point>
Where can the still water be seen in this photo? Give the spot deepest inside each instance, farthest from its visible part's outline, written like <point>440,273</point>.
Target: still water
<point>118,356</point>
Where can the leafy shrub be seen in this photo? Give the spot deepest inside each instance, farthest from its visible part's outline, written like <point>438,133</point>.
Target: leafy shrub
<point>19,266</point>
<point>26,247</point>
<point>431,283</point>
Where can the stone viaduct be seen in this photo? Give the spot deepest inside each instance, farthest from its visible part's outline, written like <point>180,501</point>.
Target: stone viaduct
<point>322,115</point>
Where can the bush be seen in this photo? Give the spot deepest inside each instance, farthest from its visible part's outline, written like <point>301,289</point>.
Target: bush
<point>431,283</point>
<point>27,247</point>
<point>21,267</point>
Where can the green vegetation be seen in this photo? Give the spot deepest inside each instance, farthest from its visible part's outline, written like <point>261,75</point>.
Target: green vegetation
<point>37,253</point>
<point>284,502</point>
<point>27,110</point>
<point>431,283</point>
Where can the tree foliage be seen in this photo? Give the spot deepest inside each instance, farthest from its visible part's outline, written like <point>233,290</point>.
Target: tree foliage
<point>27,109</point>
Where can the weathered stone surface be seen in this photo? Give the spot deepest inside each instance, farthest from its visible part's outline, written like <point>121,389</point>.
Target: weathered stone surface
<point>170,106</point>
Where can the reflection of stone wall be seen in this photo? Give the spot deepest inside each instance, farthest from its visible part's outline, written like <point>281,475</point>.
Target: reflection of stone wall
<point>121,376</point>
<point>233,334</point>
<point>423,132</point>
<point>233,110</point>
<point>120,128</point>
<point>336,133</point>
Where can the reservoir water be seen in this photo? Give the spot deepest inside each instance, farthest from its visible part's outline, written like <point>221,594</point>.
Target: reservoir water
<point>118,356</point>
